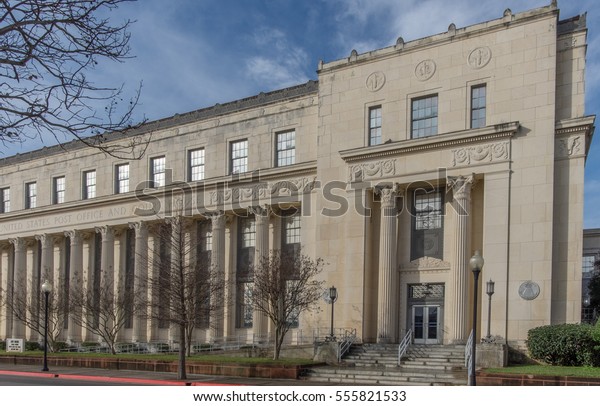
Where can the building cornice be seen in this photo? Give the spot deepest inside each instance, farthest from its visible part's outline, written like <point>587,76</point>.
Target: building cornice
<point>431,143</point>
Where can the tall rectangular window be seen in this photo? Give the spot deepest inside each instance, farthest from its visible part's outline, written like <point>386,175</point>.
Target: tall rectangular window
<point>427,224</point>
<point>286,148</point>
<point>290,247</point>
<point>4,200</point>
<point>424,116</point>
<point>58,190</point>
<point>157,171</point>
<point>30,195</point>
<point>196,165</point>
<point>122,178</point>
<point>202,296</point>
<point>89,185</point>
<point>375,125</point>
<point>245,260</point>
<point>478,106</point>
<point>239,156</point>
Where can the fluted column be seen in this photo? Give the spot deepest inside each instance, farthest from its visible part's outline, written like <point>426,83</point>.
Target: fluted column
<point>46,263</point>
<point>107,260</point>
<point>5,286</point>
<point>387,302</point>
<point>217,263</point>
<point>260,321</point>
<point>75,282</point>
<point>140,278</point>
<point>19,288</point>
<point>461,189</point>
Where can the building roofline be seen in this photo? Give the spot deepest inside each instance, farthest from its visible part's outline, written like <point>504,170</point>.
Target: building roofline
<point>261,99</point>
<point>571,24</point>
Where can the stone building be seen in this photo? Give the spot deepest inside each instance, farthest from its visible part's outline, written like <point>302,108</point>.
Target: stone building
<point>394,167</point>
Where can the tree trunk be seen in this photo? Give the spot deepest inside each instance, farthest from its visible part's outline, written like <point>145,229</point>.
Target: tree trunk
<point>181,369</point>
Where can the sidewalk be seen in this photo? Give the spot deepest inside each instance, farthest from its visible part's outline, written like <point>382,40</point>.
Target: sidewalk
<point>141,378</point>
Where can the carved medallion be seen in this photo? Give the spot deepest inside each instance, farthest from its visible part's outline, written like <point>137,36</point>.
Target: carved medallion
<point>479,57</point>
<point>529,290</point>
<point>425,70</point>
<point>375,81</point>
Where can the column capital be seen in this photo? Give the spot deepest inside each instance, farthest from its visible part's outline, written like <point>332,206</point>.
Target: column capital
<point>46,239</point>
<point>75,236</point>
<point>261,211</point>
<point>19,243</point>
<point>461,185</point>
<point>108,233</point>
<point>218,218</point>
<point>140,228</point>
<point>388,194</point>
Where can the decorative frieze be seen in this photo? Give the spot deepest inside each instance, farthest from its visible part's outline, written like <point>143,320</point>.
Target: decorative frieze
<point>493,152</point>
<point>263,190</point>
<point>568,146</point>
<point>426,263</point>
<point>372,170</point>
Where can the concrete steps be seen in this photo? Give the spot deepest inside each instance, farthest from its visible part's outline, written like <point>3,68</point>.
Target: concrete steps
<point>371,364</point>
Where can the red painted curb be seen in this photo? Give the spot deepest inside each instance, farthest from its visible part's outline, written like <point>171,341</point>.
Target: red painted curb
<point>113,379</point>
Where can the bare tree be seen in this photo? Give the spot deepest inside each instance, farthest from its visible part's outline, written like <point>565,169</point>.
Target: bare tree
<point>103,309</point>
<point>186,291</point>
<point>284,286</point>
<point>46,49</point>
<point>29,310</point>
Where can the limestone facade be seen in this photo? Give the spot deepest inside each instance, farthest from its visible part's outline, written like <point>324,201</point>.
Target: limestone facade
<point>402,162</point>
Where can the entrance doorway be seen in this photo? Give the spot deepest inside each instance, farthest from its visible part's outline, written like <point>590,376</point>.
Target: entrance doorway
<point>426,324</point>
<point>426,312</point>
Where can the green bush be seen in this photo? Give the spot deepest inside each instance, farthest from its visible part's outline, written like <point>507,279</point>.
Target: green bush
<point>564,345</point>
<point>32,346</point>
<point>2,345</point>
<point>60,345</point>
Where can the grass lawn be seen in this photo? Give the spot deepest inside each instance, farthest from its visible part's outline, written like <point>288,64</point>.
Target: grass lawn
<point>171,357</point>
<point>549,370</point>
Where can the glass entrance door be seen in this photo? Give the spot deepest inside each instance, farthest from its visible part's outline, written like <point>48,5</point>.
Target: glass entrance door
<point>426,324</point>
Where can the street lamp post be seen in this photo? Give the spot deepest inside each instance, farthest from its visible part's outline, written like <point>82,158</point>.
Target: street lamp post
<point>333,295</point>
<point>46,288</point>
<point>489,289</point>
<point>476,263</point>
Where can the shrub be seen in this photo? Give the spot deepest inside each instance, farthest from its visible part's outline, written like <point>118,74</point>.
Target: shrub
<point>32,346</point>
<point>60,345</point>
<point>563,344</point>
<point>2,345</point>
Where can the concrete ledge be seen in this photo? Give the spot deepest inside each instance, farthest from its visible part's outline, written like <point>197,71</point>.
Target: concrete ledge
<point>272,371</point>
<point>489,379</point>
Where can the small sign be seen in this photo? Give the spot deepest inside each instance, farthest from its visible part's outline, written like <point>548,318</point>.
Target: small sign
<point>15,345</point>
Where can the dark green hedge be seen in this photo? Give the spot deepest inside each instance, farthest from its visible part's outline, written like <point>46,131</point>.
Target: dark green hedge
<point>564,344</point>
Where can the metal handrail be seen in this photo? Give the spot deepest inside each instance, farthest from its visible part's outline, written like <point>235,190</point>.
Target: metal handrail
<point>404,344</point>
<point>348,339</point>
<point>468,348</point>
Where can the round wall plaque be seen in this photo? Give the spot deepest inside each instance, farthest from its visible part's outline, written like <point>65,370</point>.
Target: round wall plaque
<point>425,70</point>
<point>375,81</point>
<point>529,290</point>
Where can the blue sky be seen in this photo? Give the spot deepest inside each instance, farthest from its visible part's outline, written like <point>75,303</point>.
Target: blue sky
<point>191,54</point>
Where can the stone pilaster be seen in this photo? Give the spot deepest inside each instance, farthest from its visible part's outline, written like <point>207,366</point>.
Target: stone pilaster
<point>387,302</point>
<point>260,321</point>
<point>75,282</point>
<point>19,287</point>
<point>217,263</point>
<point>461,189</point>
<point>139,333</point>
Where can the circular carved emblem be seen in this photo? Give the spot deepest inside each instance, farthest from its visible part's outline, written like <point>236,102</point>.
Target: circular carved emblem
<point>529,290</point>
<point>425,70</point>
<point>375,81</point>
<point>479,57</point>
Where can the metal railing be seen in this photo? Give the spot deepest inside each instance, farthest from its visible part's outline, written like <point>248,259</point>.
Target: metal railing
<point>404,344</point>
<point>468,349</point>
<point>348,338</point>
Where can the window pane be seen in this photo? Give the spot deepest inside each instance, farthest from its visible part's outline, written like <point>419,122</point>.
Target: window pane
<point>122,181</point>
<point>89,188</point>
<point>424,117</point>
<point>196,165</point>
<point>375,126</point>
<point>59,190</point>
<point>5,200</point>
<point>286,148</point>
<point>158,171</point>
<point>239,156</point>
<point>478,106</point>
<point>31,195</point>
